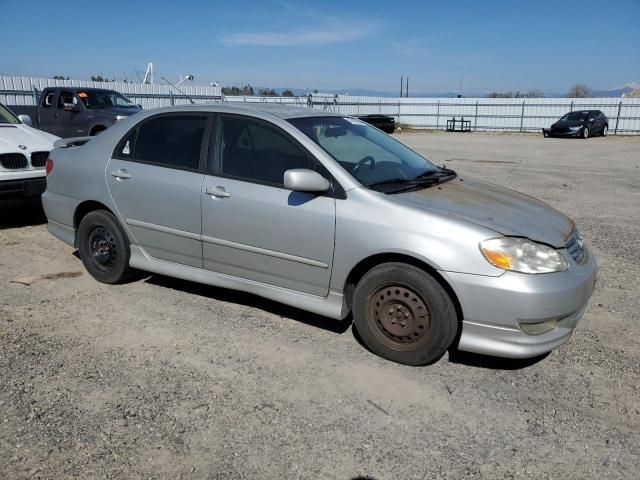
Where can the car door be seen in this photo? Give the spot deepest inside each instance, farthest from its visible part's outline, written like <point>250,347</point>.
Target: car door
<point>63,116</point>
<point>252,227</point>
<point>46,111</point>
<point>155,178</point>
<point>602,121</point>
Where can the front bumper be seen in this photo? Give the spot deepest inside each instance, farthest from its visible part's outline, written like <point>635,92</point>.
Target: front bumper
<point>548,132</point>
<point>494,308</point>
<point>22,188</point>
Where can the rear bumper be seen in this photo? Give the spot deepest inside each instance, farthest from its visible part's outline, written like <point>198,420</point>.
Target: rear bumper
<point>495,308</point>
<point>59,210</point>
<point>21,188</point>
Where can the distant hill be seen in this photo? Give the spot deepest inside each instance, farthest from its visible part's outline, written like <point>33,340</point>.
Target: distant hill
<point>611,93</point>
<point>617,92</point>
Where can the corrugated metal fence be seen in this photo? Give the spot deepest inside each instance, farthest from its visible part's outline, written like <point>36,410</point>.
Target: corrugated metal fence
<point>24,91</point>
<point>503,114</point>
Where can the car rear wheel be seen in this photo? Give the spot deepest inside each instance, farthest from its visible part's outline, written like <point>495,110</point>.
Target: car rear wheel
<point>403,314</point>
<point>605,131</point>
<point>103,247</point>
<point>585,132</point>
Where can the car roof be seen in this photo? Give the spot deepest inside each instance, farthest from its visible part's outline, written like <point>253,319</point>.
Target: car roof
<point>83,89</point>
<point>284,112</point>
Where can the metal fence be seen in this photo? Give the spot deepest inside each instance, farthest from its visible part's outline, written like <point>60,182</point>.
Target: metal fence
<point>501,114</point>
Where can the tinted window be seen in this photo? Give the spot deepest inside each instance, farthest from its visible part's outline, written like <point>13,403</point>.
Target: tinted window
<point>65,97</point>
<point>576,116</point>
<point>96,99</point>
<point>172,141</point>
<point>255,151</point>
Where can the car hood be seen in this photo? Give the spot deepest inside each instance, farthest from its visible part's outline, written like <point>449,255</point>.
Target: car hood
<point>567,123</point>
<point>11,136</point>
<point>124,112</point>
<point>497,208</point>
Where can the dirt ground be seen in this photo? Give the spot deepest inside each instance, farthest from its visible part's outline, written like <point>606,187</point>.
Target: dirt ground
<point>162,378</point>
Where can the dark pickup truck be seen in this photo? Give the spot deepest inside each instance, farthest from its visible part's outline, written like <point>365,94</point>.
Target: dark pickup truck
<point>80,112</point>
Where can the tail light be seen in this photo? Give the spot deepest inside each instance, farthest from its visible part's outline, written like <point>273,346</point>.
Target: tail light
<point>48,166</point>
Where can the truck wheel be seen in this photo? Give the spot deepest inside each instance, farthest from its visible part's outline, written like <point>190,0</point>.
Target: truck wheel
<point>104,247</point>
<point>96,131</point>
<point>403,314</point>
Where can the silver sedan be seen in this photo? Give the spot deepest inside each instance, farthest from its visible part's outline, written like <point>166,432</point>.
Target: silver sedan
<point>328,214</point>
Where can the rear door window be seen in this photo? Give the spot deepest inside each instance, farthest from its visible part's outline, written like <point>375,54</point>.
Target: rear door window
<point>171,141</point>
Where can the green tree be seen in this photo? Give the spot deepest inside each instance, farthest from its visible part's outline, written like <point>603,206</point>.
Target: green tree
<point>288,93</point>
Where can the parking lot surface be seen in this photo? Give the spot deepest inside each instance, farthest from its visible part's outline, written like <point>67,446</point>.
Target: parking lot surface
<point>161,378</point>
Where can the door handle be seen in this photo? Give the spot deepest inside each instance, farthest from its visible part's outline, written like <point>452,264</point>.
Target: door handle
<point>120,174</point>
<point>218,192</point>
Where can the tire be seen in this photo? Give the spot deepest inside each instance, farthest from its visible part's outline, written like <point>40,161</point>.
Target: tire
<point>403,314</point>
<point>96,131</point>
<point>585,133</point>
<point>103,247</point>
<point>605,130</point>
<point>545,134</point>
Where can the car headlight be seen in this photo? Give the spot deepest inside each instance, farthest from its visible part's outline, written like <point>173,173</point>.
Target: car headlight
<point>522,255</point>
<point>119,117</point>
<point>575,128</point>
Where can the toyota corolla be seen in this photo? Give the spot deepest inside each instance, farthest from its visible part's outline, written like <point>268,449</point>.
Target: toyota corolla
<point>328,214</point>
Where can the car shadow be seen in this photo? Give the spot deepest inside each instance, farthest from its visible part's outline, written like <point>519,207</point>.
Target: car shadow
<point>335,326</point>
<point>250,300</point>
<point>22,214</point>
<point>492,363</point>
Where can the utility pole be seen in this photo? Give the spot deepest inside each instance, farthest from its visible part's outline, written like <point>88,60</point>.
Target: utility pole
<point>401,84</point>
<point>406,90</point>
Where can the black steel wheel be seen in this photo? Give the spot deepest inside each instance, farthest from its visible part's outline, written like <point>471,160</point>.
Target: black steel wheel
<point>398,316</point>
<point>103,247</point>
<point>404,314</point>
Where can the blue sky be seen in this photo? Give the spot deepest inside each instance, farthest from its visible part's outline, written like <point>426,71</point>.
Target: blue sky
<point>332,44</point>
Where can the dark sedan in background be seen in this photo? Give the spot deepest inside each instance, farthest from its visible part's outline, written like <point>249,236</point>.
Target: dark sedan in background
<point>583,123</point>
<point>383,122</point>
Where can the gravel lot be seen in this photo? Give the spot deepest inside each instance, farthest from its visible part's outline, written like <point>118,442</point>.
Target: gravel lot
<point>169,379</point>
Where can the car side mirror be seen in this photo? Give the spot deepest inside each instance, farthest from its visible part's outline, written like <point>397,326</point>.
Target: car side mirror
<point>26,119</point>
<point>305,180</point>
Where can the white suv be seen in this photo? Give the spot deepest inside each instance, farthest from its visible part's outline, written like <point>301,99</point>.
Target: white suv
<point>23,156</point>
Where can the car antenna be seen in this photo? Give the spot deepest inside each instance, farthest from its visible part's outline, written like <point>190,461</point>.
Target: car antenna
<point>188,97</point>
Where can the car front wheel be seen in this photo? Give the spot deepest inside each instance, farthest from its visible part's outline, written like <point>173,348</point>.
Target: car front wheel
<point>585,132</point>
<point>103,247</point>
<point>403,314</point>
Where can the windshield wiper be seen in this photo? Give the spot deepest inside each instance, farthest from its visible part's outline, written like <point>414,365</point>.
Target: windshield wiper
<point>428,178</point>
<point>443,172</point>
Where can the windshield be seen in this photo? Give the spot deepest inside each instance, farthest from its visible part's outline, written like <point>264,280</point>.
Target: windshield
<point>371,156</point>
<point>104,99</point>
<point>6,116</point>
<point>576,116</point>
